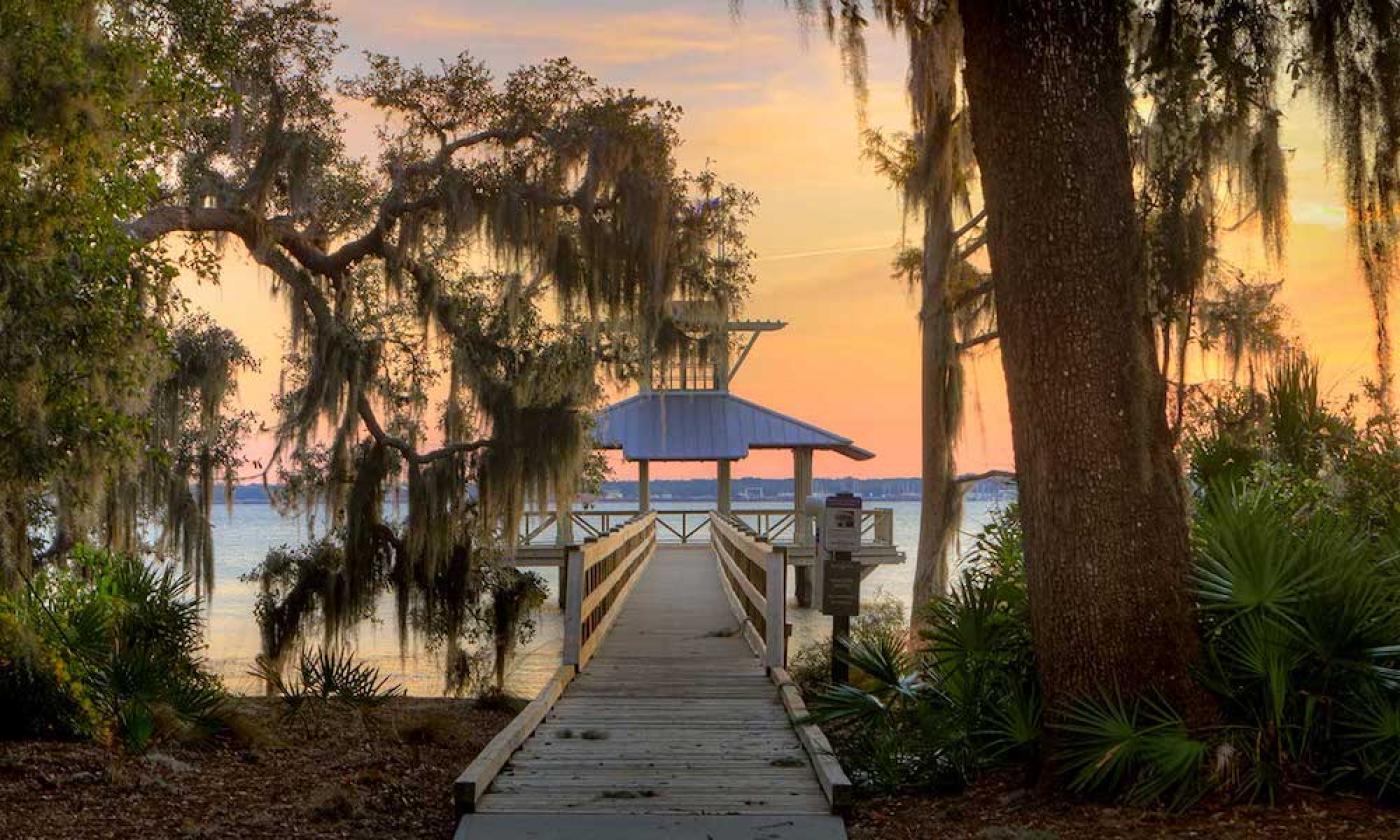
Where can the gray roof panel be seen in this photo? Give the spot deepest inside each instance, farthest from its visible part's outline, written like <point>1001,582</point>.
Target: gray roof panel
<point>706,426</point>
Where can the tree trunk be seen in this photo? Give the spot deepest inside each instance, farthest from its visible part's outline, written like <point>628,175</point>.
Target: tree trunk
<point>936,101</point>
<point>1101,494</point>
<point>940,499</point>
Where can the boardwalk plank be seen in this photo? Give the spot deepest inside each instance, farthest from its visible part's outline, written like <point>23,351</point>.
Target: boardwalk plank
<point>674,715</point>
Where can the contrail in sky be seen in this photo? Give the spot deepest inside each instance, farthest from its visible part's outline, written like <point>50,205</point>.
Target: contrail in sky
<point>797,255</point>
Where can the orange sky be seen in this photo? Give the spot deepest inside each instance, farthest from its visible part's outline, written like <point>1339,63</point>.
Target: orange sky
<point>776,116</point>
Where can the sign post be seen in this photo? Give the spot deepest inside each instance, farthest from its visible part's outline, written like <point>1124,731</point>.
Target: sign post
<point>840,574</point>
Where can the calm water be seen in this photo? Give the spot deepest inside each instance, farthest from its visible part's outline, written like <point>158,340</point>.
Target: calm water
<point>240,542</point>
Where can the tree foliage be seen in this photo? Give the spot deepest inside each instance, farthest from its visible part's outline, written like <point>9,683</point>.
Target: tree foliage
<point>1208,79</point>
<point>88,99</point>
<point>453,303</point>
<point>1206,135</point>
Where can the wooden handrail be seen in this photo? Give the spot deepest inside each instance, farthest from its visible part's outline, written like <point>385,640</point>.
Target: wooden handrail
<point>473,782</point>
<point>755,583</point>
<point>598,576</point>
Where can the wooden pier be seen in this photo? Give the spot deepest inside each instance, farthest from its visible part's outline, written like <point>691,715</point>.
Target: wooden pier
<point>672,714</point>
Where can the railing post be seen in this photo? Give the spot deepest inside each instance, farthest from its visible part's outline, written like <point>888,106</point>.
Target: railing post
<point>573,607</point>
<point>775,597</point>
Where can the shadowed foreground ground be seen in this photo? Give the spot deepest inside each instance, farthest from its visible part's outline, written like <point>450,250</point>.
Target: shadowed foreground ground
<point>336,776</point>
<point>997,809</point>
<point>324,775</point>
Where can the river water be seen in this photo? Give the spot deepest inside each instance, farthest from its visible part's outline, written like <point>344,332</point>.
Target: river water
<point>242,539</point>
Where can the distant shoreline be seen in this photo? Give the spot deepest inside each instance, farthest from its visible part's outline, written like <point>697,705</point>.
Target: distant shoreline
<point>249,495</point>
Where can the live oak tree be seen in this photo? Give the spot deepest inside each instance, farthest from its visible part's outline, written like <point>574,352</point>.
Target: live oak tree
<point>513,236</point>
<point>452,305</point>
<point>1102,501</point>
<point>1112,139</point>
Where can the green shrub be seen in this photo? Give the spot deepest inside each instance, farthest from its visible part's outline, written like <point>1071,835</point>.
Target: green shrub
<point>965,700</point>
<point>810,665</point>
<point>1296,582</point>
<point>1298,599</point>
<point>38,690</point>
<point>107,647</point>
<point>326,673</point>
<point>1222,443</point>
<point>1370,736</point>
<point>1299,608</point>
<point>1301,620</point>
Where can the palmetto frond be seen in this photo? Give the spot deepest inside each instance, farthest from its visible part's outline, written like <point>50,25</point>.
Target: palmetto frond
<point>885,681</point>
<point>1244,565</point>
<point>1111,744</point>
<point>1370,727</point>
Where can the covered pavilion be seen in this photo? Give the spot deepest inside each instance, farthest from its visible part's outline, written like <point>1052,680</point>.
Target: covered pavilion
<point>685,412</point>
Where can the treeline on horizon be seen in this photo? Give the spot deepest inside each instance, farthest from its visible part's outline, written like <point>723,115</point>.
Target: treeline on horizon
<point>907,487</point>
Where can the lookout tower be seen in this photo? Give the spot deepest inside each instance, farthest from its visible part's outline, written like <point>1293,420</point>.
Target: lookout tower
<point>685,411</point>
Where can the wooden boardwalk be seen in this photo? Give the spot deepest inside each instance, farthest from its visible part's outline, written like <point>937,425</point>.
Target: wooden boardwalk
<point>674,728</point>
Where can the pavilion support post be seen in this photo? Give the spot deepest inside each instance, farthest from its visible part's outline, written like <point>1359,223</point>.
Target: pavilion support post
<point>722,483</point>
<point>563,522</point>
<point>801,523</point>
<point>802,583</point>
<point>644,485</point>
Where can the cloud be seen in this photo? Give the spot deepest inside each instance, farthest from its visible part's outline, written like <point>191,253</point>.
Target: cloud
<point>719,87</point>
<point>628,38</point>
<point>826,252</point>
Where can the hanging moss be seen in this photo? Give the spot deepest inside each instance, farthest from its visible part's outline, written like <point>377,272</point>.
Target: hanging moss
<point>1352,51</point>
<point>192,438</point>
<point>515,597</point>
<point>521,238</point>
<point>300,587</point>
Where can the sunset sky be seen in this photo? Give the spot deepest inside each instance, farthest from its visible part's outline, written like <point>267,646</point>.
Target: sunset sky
<point>772,111</point>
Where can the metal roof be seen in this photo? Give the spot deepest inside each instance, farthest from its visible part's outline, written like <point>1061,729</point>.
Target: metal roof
<point>706,426</point>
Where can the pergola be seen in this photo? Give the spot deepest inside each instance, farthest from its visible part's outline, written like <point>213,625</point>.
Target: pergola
<point>685,412</point>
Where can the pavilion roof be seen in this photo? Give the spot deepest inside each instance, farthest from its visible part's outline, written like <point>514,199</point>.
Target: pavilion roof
<point>707,426</point>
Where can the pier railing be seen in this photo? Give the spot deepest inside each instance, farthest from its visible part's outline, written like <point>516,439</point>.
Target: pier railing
<point>778,525</point>
<point>692,525</point>
<point>754,577</point>
<point>597,577</point>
